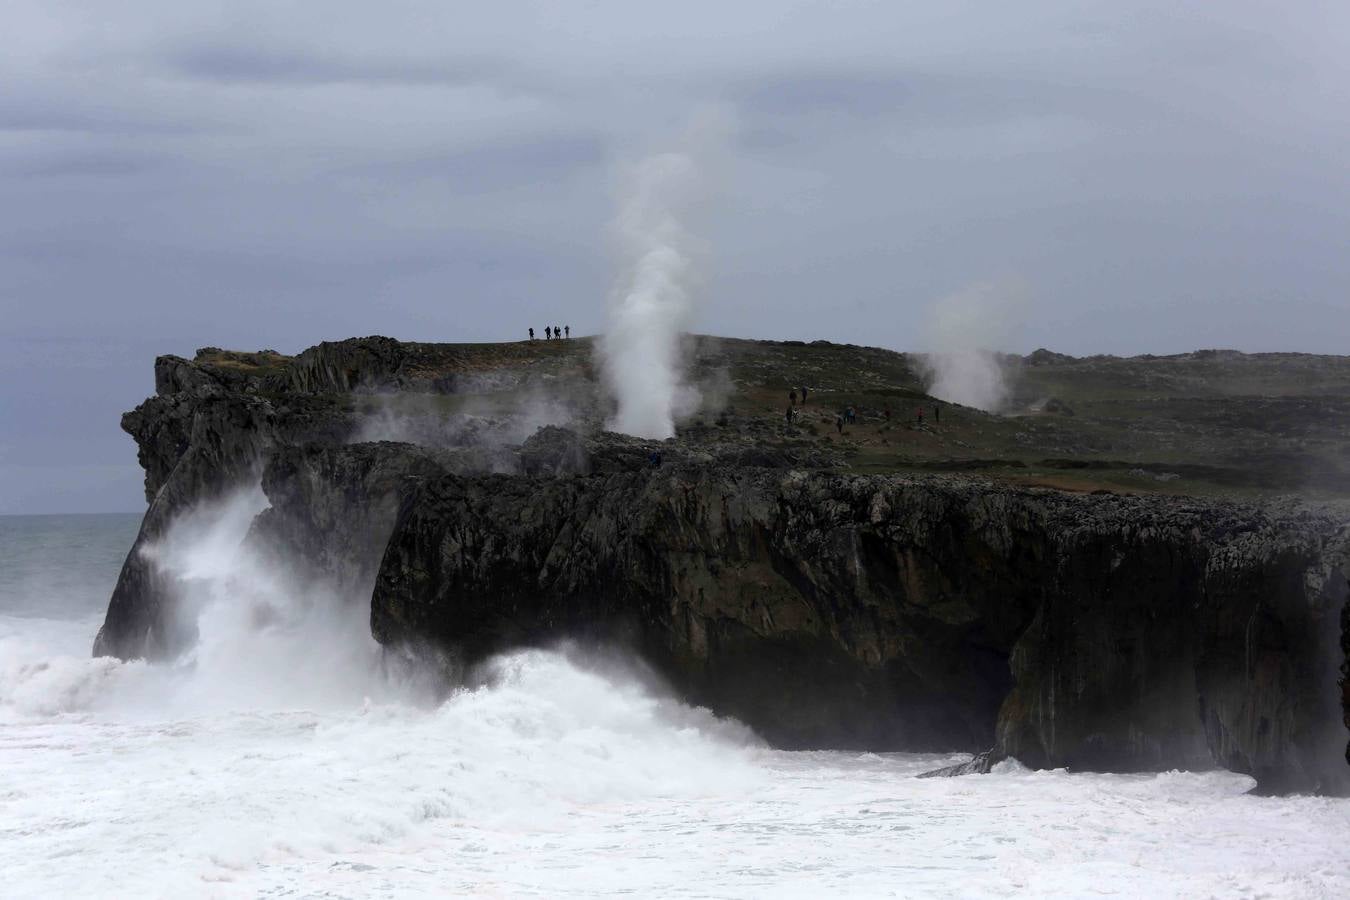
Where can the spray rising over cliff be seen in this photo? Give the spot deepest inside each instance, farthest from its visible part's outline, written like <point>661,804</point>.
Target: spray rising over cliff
<point>963,330</point>
<point>656,288</point>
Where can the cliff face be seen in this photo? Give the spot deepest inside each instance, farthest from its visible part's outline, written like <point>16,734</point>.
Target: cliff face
<point>1094,632</point>
<point>826,609</point>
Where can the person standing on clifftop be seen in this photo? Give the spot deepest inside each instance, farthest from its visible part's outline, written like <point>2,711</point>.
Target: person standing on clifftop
<point>531,334</point>
<point>548,333</point>
<point>567,331</point>
<point>839,423</point>
<point>937,414</point>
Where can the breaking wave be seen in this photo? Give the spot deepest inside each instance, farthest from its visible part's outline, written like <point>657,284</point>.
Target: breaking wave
<point>281,757</point>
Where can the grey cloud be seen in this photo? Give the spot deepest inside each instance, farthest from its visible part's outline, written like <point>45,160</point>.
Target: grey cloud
<point>241,174</point>
<point>842,93</point>
<point>91,164</point>
<point>245,63</point>
<point>57,113</point>
<point>495,165</point>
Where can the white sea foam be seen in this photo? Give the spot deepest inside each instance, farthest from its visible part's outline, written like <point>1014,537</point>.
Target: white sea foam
<point>233,774</point>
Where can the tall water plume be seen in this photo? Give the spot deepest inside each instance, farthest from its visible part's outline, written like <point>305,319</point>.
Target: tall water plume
<point>659,276</point>
<point>963,330</point>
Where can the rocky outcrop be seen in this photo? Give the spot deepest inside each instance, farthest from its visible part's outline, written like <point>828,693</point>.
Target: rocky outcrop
<point>1096,632</point>
<point>1210,627</point>
<point>981,763</point>
<point>754,591</point>
<point>826,609</point>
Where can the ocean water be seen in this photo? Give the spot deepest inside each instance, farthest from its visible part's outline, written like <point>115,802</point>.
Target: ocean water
<point>284,758</point>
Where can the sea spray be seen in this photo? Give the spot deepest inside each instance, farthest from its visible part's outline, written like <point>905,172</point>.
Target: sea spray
<point>268,636</point>
<point>659,276</point>
<point>963,329</point>
<point>482,423</point>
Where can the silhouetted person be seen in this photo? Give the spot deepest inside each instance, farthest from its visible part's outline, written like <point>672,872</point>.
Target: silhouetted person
<point>567,331</point>
<point>655,459</point>
<point>803,396</point>
<point>792,396</point>
<point>531,334</point>
<point>852,416</point>
<point>937,414</point>
<point>557,332</point>
<point>839,423</point>
<point>548,333</point>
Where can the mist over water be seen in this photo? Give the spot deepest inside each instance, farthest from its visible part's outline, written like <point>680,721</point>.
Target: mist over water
<point>281,756</point>
<point>490,424</point>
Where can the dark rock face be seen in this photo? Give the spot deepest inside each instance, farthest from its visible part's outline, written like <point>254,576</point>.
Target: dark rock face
<point>759,595</point>
<point>1095,632</point>
<point>555,451</point>
<point>922,611</point>
<point>1345,672</point>
<point>1268,658</point>
<point>1176,652</point>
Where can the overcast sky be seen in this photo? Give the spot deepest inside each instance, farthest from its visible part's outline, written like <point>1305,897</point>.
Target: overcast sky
<point>1154,177</point>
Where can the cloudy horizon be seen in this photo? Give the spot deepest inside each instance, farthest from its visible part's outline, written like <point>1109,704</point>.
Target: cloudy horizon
<point>250,175</point>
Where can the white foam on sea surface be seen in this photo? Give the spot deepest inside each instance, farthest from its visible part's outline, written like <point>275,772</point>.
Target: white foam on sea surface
<point>239,772</point>
<point>554,780</point>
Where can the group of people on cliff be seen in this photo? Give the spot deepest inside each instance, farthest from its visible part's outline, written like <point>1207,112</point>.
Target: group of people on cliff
<point>554,332</point>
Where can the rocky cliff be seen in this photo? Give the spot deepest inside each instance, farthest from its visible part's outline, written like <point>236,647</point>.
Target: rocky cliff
<point>761,568</point>
<point>903,612</point>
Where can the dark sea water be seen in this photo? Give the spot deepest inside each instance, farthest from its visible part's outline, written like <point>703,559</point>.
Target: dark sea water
<point>62,567</point>
<point>279,759</point>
